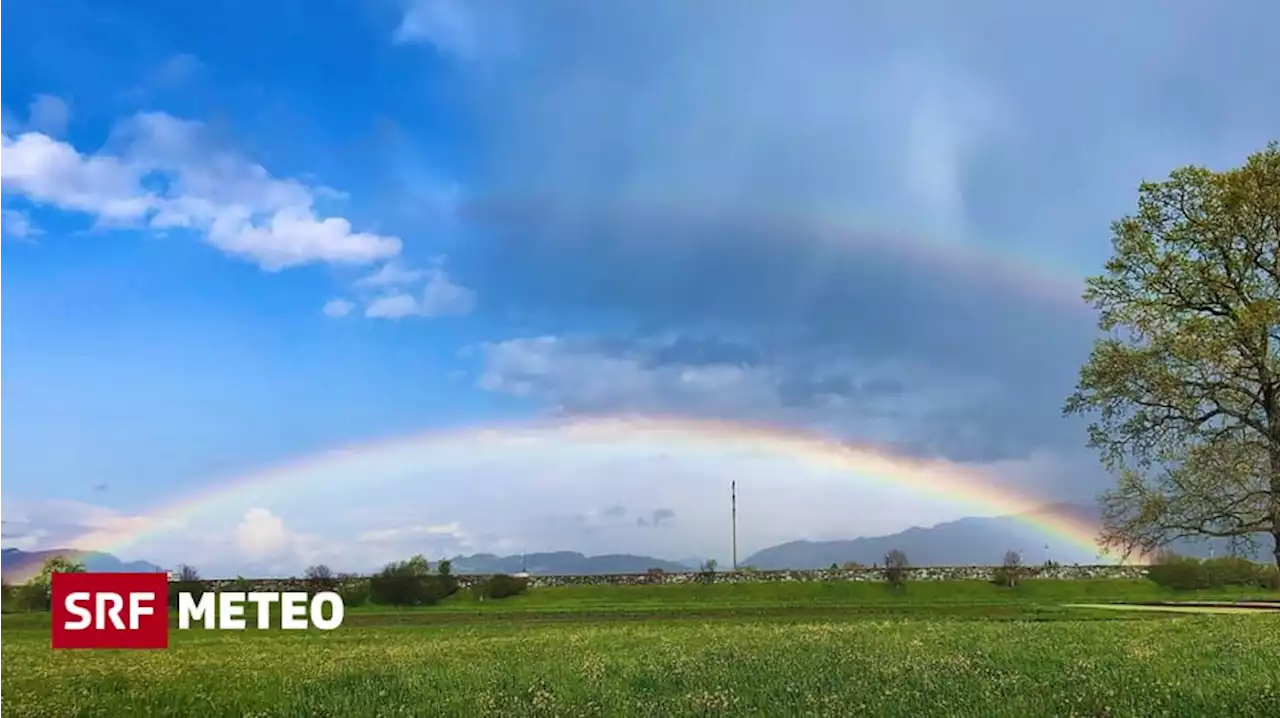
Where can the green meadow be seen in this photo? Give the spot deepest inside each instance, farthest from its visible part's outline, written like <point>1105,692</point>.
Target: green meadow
<point>760,649</point>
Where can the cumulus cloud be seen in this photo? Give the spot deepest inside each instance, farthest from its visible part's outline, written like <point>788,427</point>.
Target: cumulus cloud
<point>440,297</point>
<point>49,114</point>
<point>190,183</point>
<point>18,225</point>
<point>912,407</point>
<point>446,25</point>
<point>391,274</point>
<point>261,533</point>
<point>337,308</point>
<point>50,172</point>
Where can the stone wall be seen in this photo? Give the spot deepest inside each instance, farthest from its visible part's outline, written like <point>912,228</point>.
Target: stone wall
<point>923,573</point>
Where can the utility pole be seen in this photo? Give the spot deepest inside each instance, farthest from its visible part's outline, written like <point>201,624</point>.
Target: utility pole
<point>733,499</point>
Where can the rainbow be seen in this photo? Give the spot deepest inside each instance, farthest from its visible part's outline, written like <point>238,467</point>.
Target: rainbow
<point>1021,274</point>
<point>603,435</point>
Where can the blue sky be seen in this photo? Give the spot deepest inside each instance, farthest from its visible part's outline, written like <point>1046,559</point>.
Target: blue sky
<point>240,233</point>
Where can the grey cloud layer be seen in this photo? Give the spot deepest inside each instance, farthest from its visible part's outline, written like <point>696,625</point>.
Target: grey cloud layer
<point>778,172</point>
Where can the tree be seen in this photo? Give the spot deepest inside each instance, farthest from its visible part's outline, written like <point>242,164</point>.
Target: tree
<point>1185,389</point>
<point>707,574</point>
<point>1010,569</point>
<point>40,587</point>
<point>410,583</point>
<point>319,578</point>
<point>417,566</point>
<point>895,567</point>
<point>188,580</point>
<point>444,567</point>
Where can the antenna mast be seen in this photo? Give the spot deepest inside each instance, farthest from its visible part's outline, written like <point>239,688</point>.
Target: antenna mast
<point>733,499</point>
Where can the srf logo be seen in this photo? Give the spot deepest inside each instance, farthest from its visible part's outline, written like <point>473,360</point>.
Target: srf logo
<point>110,610</point>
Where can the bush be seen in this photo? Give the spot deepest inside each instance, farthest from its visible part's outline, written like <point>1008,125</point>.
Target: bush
<point>852,566</point>
<point>502,586</point>
<point>1270,577</point>
<point>195,587</point>
<point>1177,572</point>
<point>354,591</point>
<point>895,567</point>
<point>32,595</point>
<point>1010,571</point>
<point>1232,571</point>
<point>1183,573</point>
<point>410,583</point>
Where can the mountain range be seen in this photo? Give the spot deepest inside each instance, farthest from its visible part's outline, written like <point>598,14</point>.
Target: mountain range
<point>966,541</point>
<point>18,566</point>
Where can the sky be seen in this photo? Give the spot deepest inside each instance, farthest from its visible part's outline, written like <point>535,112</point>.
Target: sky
<point>240,236</point>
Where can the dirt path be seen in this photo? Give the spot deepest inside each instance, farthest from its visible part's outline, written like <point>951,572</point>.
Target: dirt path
<point>1184,608</point>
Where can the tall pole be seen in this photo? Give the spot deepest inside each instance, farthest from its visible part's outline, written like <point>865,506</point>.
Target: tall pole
<point>733,498</point>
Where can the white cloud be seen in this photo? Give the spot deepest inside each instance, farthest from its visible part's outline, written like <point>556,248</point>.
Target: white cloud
<point>444,24</point>
<point>450,533</point>
<point>392,306</point>
<point>236,204</point>
<point>49,114</point>
<point>392,273</point>
<point>17,224</point>
<point>444,298</point>
<point>55,523</point>
<point>440,297</point>
<point>338,308</point>
<point>261,533</point>
<point>50,172</point>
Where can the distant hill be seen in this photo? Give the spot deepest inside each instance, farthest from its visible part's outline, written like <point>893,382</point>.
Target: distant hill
<point>964,542</point>
<point>566,563</point>
<point>18,565</point>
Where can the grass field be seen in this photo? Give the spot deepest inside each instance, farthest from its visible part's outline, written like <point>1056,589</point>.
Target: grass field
<point>840,649</point>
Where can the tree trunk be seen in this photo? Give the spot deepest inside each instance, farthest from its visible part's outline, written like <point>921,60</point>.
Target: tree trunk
<point>1275,498</point>
<point>1275,504</point>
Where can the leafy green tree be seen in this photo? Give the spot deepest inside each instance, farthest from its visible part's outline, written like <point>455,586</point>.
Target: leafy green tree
<point>37,591</point>
<point>1184,390</point>
<point>410,583</point>
<point>417,566</point>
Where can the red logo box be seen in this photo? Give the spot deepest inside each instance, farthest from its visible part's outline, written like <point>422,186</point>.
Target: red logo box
<point>110,610</point>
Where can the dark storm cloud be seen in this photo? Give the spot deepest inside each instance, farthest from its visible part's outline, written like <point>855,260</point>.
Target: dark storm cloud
<point>832,188</point>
